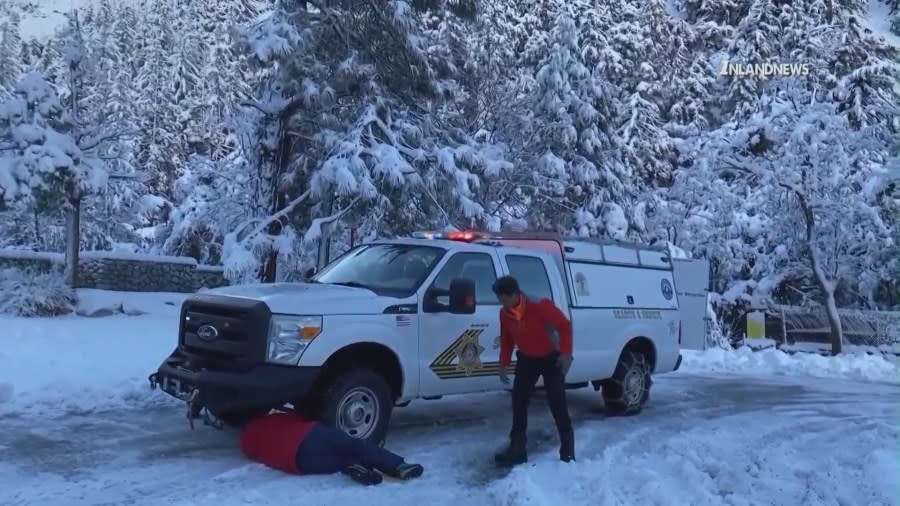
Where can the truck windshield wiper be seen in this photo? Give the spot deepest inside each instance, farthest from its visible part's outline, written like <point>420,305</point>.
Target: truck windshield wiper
<point>352,284</point>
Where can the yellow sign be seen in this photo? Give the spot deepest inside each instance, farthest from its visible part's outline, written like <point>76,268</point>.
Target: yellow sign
<point>756,325</point>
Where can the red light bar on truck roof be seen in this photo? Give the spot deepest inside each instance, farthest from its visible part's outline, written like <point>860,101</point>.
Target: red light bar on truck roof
<point>475,235</point>
<point>451,236</point>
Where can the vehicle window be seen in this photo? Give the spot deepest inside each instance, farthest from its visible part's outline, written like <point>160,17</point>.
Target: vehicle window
<point>390,269</point>
<point>531,275</point>
<point>477,266</point>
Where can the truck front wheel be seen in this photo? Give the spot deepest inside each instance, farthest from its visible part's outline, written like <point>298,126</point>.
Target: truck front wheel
<point>629,388</point>
<point>359,402</point>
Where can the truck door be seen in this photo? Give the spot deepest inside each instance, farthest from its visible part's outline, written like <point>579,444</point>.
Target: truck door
<point>692,288</point>
<point>456,352</point>
<point>534,281</point>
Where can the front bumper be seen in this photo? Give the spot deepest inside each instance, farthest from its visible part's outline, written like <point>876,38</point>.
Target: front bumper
<point>264,386</point>
<point>678,363</point>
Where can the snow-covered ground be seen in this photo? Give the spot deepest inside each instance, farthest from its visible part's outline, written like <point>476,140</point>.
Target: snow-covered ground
<point>81,427</point>
<point>879,21</point>
<point>43,17</point>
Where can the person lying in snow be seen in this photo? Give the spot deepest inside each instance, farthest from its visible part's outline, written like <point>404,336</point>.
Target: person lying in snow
<point>290,443</point>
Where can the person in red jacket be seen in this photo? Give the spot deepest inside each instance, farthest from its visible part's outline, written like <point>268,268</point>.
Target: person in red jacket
<point>543,336</point>
<point>290,443</point>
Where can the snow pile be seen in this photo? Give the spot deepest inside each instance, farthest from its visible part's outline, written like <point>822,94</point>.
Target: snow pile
<point>76,364</point>
<point>862,367</point>
<point>879,20</point>
<point>106,303</point>
<point>31,293</point>
<point>719,461</point>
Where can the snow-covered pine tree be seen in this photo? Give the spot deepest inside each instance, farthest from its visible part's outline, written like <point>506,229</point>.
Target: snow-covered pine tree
<point>894,9</point>
<point>685,99</point>
<point>186,59</point>
<point>567,162</point>
<point>715,15</point>
<point>158,151</point>
<point>40,161</point>
<point>11,67</point>
<point>867,70</point>
<point>755,41</point>
<point>348,119</point>
<point>227,74</point>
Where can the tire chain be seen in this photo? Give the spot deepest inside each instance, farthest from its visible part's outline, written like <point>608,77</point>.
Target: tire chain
<point>638,361</point>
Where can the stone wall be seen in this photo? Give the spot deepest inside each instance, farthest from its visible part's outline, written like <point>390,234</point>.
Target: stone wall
<point>127,272</point>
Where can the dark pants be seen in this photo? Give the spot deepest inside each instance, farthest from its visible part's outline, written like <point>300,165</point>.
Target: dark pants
<point>528,370</point>
<point>327,450</point>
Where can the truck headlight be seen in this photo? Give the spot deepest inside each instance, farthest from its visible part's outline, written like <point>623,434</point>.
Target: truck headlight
<point>289,336</point>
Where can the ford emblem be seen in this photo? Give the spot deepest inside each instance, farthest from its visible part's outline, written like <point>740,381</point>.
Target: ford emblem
<point>207,333</point>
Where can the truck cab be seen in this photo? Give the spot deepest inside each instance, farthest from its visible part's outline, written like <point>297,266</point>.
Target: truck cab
<point>392,321</point>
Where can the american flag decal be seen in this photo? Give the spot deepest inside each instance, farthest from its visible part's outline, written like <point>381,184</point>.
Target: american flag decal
<point>403,320</point>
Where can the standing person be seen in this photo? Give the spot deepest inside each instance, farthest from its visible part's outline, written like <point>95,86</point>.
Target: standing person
<point>528,325</point>
<point>290,443</point>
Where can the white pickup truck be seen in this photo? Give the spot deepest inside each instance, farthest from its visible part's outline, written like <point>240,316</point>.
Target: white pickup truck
<point>391,321</point>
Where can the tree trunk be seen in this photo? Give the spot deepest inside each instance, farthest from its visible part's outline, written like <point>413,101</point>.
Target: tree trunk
<point>324,245</point>
<point>826,285</point>
<point>834,321</point>
<point>73,239</point>
<point>281,160</point>
<point>269,271</point>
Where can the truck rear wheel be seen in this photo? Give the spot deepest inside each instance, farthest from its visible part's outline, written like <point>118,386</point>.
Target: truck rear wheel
<point>359,402</point>
<point>629,388</point>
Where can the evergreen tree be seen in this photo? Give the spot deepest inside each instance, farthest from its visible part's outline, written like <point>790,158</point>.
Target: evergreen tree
<point>11,64</point>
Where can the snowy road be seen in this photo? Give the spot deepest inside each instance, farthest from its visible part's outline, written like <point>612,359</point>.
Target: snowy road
<point>704,439</point>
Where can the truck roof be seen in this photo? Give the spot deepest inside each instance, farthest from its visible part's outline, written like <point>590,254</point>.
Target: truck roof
<point>574,249</point>
<point>448,245</point>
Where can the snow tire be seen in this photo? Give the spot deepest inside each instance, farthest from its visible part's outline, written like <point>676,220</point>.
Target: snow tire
<point>629,388</point>
<point>359,402</point>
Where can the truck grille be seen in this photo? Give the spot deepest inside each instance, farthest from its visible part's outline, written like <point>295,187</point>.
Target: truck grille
<point>223,332</point>
<point>231,326</point>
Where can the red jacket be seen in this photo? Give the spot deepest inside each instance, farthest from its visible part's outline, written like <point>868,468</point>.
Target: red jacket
<point>528,326</point>
<point>274,440</point>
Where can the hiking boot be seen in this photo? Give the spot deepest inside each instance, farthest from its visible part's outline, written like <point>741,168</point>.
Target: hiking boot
<point>514,455</point>
<point>406,471</point>
<point>363,475</point>
<point>567,446</point>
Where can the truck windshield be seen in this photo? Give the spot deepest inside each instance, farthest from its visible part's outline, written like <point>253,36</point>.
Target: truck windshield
<point>387,269</point>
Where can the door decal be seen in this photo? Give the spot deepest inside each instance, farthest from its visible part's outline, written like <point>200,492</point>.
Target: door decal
<point>462,359</point>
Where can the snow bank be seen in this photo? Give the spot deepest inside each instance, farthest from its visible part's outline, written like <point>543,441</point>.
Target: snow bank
<point>24,293</point>
<point>104,303</point>
<point>24,254</point>
<point>73,363</point>
<point>770,361</point>
<point>717,462</point>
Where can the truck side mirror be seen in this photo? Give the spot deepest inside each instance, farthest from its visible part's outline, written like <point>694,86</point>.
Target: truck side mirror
<point>462,296</point>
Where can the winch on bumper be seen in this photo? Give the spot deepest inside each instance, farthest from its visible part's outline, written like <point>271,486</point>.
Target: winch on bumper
<point>220,360</point>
